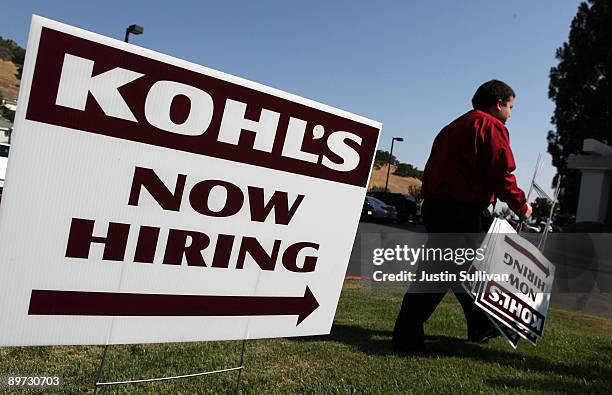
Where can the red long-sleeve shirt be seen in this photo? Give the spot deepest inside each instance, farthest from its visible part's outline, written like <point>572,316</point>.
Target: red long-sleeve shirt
<point>471,161</point>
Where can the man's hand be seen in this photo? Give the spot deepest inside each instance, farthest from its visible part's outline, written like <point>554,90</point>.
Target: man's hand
<point>528,212</point>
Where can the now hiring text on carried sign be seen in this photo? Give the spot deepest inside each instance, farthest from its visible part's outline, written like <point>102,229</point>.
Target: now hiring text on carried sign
<point>149,199</point>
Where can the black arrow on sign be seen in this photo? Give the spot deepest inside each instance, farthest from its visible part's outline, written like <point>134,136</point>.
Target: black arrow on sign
<point>56,302</point>
<point>528,254</point>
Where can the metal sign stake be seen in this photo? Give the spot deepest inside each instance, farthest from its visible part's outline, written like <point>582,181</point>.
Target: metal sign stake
<point>99,384</point>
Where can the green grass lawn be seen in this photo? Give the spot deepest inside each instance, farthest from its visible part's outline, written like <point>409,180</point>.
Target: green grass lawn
<point>575,356</point>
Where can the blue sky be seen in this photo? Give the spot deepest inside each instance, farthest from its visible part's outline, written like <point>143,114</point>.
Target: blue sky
<point>411,65</point>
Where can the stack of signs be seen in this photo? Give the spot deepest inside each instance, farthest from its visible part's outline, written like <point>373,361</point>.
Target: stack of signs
<point>518,304</point>
<point>149,199</point>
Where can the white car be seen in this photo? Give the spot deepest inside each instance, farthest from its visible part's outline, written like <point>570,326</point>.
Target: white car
<point>4,153</point>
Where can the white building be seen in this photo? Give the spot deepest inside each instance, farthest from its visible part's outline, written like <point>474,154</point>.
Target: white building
<point>595,164</point>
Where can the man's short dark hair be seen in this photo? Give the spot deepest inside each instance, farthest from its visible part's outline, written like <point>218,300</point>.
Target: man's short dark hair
<point>490,92</point>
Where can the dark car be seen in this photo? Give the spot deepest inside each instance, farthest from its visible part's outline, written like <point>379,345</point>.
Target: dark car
<point>374,209</point>
<point>405,204</point>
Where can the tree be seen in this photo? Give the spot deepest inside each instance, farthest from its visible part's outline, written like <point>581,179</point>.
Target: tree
<point>407,170</point>
<point>382,158</point>
<point>415,191</point>
<point>377,188</point>
<point>541,209</point>
<point>10,50</point>
<point>580,87</point>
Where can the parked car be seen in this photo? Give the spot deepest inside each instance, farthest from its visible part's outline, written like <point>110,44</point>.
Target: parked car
<point>418,216</point>
<point>4,153</point>
<point>405,204</point>
<point>374,209</point>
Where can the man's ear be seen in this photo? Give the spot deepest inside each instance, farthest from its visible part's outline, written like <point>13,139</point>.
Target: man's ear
<point>495,108</point>
<point>499,104</point>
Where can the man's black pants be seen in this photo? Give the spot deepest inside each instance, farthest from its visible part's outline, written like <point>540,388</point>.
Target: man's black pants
<point>450,218</point>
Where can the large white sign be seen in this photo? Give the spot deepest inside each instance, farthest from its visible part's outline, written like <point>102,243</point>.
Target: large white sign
<point>149,199</point>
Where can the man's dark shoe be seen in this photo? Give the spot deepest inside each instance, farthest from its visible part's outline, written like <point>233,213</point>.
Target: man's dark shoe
<point>482,336</point>
<point>408,338</point>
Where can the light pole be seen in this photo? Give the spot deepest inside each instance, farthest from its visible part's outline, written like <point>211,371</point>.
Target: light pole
<point>394,139</point>
<point>134,29</point>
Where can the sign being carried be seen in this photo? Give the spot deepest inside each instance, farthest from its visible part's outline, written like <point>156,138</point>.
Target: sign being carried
<point>519,305</point>
<point>149,199</point>
<point>523,301</point>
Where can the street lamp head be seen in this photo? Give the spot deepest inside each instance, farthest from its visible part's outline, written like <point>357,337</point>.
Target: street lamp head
<point>135,29</point>
<point>400,139</point>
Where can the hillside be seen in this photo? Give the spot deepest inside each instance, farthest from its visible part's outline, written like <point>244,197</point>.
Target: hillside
<point>11,62</point>
<point>9,84</point>
<point>396,183</point>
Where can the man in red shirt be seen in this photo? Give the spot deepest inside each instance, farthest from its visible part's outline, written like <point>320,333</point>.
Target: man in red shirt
<point>470,165</point>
